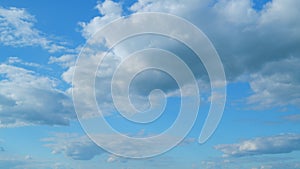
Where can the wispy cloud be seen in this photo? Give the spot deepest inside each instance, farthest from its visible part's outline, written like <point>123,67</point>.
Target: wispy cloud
<point>293,117</point>
<point>17,29</point>
<point>73,146</point>
<point>18,162</point>
<point>82,147</point>
<point>261,162</point>
<point>284,143</point>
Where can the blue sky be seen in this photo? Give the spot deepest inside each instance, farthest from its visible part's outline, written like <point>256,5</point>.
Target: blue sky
<point>257,42</point>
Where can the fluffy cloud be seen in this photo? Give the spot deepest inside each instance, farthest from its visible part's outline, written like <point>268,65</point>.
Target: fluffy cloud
<point>259,44</point>
<point>17,29</point>
<point>252,44</point>
<point>243,36</point>
<point>236,11</point>
<point>276,84</point>
<point>144,83</point>
<point>284,143</point>
<point>28,98</point>
<point>109,10</point>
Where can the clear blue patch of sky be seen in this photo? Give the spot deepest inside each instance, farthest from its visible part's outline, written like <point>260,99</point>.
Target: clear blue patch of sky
<point>259,4</point>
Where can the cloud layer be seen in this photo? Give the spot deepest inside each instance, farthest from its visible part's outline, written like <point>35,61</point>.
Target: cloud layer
<point>284,143</point>
<point>73,146</point>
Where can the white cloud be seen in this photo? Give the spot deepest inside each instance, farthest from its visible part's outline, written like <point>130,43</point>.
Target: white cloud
<point>252,162</point>
<point>236,11</point>
<point>28,99</point>
<point>276,85</point>
<point>109,10</point>
<point>250,43</point>
<point>282,11</point>
<point>243,37</point>
<point>65,61</point>
<point>73,146</point>
<point>79,147</point>
<point>17,61</point>
<point>284,143</point>
<point>17,29</point>
<point>115,159</point>
<point>28,157</point>
<point>142,85</point>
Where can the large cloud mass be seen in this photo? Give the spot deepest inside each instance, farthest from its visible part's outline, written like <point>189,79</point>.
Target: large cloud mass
<point>28,98</point>
<point>257,46</point>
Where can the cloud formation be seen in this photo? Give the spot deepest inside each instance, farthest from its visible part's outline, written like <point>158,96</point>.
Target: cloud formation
<point>257,46</point>
<point>17,29</point>
<point>18,162</point>
<point>73,146</point>
<point>79,147</point>
<point>31,99</point>
<point>276,84</point>
<point>262,162</point>
<point>109,10</point>
<point>250,42</point>
<point>284,143</point>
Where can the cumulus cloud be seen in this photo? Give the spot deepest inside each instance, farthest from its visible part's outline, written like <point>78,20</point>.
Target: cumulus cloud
<point>236,11</point>
<point>251,38</point>
<point>284,143</point>
<point>28,98</point>
<point>17,29</point>
<point>144,83</point>
<point>249,42</point>
<point>276,84</point>
<point>257,46</point>
<point>109,10</point>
